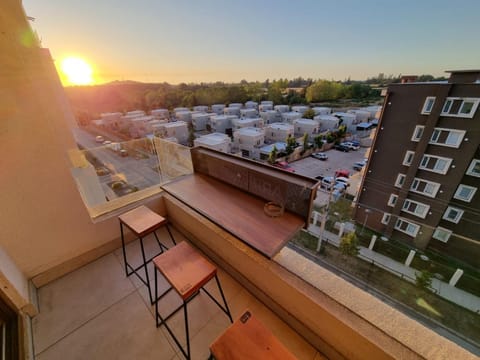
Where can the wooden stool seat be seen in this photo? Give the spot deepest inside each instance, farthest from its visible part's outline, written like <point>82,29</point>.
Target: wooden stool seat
<point>142,221</point>
<point>185,269</point>
<point>188,272</point>
<point>248,338</point>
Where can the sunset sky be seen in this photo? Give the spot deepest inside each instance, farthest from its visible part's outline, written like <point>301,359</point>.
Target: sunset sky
<point>222,40</point>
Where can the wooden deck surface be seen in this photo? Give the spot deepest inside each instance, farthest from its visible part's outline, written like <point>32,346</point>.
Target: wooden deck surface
<point>236,211</point>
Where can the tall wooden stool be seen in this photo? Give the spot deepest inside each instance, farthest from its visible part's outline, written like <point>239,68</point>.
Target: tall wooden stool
<point>248,338</point>
<point>142,221</point>
<point>187,272</point>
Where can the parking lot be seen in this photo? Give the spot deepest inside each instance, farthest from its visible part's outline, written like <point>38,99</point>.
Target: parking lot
<point>312,167</point>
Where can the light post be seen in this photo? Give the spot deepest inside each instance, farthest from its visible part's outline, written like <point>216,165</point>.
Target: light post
<point>367,211</point>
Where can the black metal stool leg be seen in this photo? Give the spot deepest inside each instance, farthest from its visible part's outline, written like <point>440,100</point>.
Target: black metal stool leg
<point>224,300</point>
<point>186,329</point>
<point>146,271</point>
<point>170,233</point>
<point>124,251</point>
<point>162,247</point>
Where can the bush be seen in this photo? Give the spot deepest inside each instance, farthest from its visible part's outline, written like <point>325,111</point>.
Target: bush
<point>349,244</point>
<point>423,279</point>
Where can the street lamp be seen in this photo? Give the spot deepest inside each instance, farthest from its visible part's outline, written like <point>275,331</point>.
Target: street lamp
<point>367,211</point>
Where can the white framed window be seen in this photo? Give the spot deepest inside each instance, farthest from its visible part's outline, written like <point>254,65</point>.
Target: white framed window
<point>424,187</point>
<point>385,218</point>
<point>465,192</point>
<point>435,164</point>
<point>460,107</point>
<point>474,168</point>
<point>392,200</point>
<point>447,137</point>
<point>415,208</point>
<point>407,227</point>
<point>442,234</point>
<point>400,180</point>
<point>407,160</point>
<point>428,105</point>
<point>453,214</point>
<point>418,132</point>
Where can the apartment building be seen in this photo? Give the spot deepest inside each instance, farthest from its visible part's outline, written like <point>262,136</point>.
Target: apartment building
<point>424,168</point>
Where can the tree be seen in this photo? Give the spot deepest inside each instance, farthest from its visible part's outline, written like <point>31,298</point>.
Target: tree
<point>318,141</point>
<point>309,114</point>
<point>305,143</point>
<point>291,144</point>
<point>324,90</point>
<point>423,279</point>
<point>349,244</point>
<point>191,135</point>
<point>272,157</point>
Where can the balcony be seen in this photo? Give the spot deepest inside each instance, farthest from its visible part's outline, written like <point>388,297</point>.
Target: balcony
<point>95,312</point>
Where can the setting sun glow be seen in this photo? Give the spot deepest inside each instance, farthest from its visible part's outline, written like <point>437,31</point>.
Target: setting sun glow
<point>76,71</point>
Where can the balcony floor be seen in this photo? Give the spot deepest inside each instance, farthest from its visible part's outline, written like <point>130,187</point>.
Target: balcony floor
<point>96,312</point>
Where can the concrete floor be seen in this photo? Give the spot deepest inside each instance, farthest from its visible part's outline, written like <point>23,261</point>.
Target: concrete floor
<point>96,312</point>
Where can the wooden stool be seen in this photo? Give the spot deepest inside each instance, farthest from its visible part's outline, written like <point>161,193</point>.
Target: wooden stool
<point>248,338</point>
<point>187,272</point>
<point>142,221</point>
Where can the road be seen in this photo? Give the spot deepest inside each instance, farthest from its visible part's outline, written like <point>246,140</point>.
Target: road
<point>135,170</point>
<point>312,167</point>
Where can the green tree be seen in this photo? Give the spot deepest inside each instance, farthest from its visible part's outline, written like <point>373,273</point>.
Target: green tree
<point>305,143</point>
<point>291,144</point>
<point>309,114</point>
<point>423,279</point>
<point>349,244</point>
<point>318,141</point>
<point>324,90</point>
<point>272,157</point>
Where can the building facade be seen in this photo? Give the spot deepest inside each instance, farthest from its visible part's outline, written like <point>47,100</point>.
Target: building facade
<point>424,168</point>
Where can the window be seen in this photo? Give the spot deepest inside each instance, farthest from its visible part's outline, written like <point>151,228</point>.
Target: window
<point>428,105</point>
<point>442,234</point>
<point>453,214</point>
<point>460,107</point>
<point>418,132</point>
<point>415,208</point>
<point>407,160</point>
<point>424,187</point>
<point>407,227</point>
<point>465,192</point>
<point>474,168</point>
<point>400,180</point>
<point>435,164</point>
<point>392,200</point>
<point>386,218</point>
<point>447,137</point>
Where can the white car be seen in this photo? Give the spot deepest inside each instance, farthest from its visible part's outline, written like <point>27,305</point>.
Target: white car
<point>351,145</point>
<point>99,139</point>
<point>342,180</point>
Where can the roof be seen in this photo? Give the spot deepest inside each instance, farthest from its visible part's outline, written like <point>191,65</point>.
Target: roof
<point>281,146</point>
<point>250,131</point>
<point>462,71</point>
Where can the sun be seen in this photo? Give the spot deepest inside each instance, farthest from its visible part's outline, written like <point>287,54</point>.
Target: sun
<point>77,71</point>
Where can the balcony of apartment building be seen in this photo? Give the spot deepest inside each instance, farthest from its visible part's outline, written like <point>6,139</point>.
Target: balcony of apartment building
<point>61,271</point>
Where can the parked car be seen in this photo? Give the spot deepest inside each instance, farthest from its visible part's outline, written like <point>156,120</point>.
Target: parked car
<point>343,180</point>
<point>327,182</point>
<point>99,139</point>
<point>342,173</point>
<point>359,165</point>
<point>123,153</point>
<point>320,156</point>
<point>284,166</point>
<point>341,147</point>
<point>351,145</point>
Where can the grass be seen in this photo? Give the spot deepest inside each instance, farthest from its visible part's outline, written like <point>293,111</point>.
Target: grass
<point>422,301</point>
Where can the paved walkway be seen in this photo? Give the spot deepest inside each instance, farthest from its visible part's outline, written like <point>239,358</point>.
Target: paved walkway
<point>443,289</point>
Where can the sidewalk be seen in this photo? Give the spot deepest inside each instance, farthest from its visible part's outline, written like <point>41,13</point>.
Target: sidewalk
<point>443,289</point>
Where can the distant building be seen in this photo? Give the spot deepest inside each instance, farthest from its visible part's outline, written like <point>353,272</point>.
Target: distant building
<point>278,132</point>
<point>282,108</point>
<point>218,108</point>
<point>216,141</point>
<point>267,149</point>
<point>423,175</point>
<point>232,111</point>
<point>249,141</point>
<point>318,110</point>
<point>184,115</point>
<point>161,114</point>
<point>200,121</point>
<point>348,119</point>
<point>265,106</point>
<point>301,109</point>
<point>251,105</point>
<point>270,116</point>
<point>242,123</point>
<point>201,108</point>
<point>222,124</point>
<point>177,130</point>
<point>306,126</point>
<point>291,116</point>
<point>248,113</point>
<point>327,122</point>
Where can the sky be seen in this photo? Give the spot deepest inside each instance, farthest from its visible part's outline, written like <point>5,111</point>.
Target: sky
<point>224,40</point>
